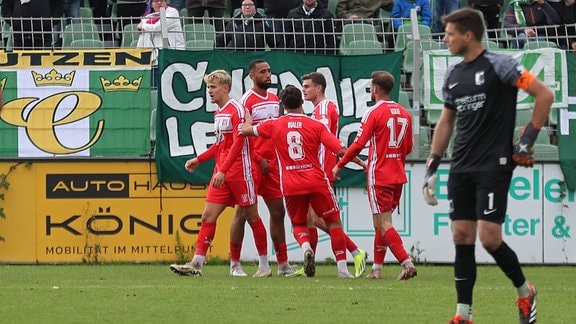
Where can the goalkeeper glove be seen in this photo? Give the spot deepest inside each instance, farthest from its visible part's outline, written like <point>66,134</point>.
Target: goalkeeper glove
<point>429,188</point>
<point>524,149</point>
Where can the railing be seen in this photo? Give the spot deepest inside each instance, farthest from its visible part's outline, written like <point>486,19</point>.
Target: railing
<point>307,35</point>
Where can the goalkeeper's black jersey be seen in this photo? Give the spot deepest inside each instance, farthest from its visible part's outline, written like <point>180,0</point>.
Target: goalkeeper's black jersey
<point>484,95</point>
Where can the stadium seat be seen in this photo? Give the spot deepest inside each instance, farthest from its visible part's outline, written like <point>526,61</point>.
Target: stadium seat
<point>403,99</point>
<point>199,45</point>
<point>553,117</point>
<point>86,44</point>
<point>76,31</point>
<point>490,44</point>
<point>432,116</point>
<point>363,47</point>
<point>546,152</point>
<point>356,32</point>
<point>425,45</point>
<point>523,117</point>
<point>129,35</point>
<point>536,44</point>
<point>404,35</point>
<point>86,12</point>
<point>199,31</point>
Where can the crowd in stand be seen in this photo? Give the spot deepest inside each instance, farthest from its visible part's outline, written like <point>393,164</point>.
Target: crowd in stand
<point>300,25</point>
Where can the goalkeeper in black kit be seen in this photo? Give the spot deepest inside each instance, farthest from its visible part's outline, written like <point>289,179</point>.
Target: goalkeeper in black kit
<point>480,102</point>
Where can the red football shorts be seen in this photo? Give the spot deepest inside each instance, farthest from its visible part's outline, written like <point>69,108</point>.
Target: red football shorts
<point>324,203</point>
<point>268,185</point>
<point>233,192</point>
<point>384,198</point>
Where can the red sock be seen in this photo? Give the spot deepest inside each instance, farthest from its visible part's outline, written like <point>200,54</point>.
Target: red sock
<point>338,240</point>
<point>313,231</point>
<point>379,248</point>
<point>281,252</point>
<point>235,251</point>
<point>205,237</point>
<point>301,234</point>
<point>350,245</point>
<point>260,236</point>
<point>394,242</point>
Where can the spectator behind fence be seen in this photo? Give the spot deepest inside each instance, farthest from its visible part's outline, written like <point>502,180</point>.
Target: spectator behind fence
<point>359,9</point>
<point>237,4</point>
<point>441,8</point>
<point>150,29</point>
<point>249,31</point>
<point>28,30</point>
<point>310,29</point>
<point>130,11</point>
<point>567,12</point>
<point>177,4</point>
<point>100,9</point>
<point>279,9</point>
<point>401,11</point>
<point>215,9</point>
<point>491,11</point>
<point>527,19</point>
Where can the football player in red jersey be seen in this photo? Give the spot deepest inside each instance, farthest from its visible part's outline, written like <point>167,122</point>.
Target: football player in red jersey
<point>326,111</point>
<point>297,139</point>
<point>232,182</point>
<point>387,126</point>
<point>262,104</point>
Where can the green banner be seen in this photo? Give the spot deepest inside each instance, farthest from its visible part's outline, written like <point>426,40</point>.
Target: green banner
<point>81,103</point>
<point>548,64</point>
<point>567,128</point>
<point>185,114</point>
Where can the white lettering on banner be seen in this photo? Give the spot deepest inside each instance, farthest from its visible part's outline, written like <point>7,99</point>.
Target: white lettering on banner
<point>539,224</point>
<point>565,117</point>
<point>362,96</point>
<point>194,79</point>
<point>547,64</point>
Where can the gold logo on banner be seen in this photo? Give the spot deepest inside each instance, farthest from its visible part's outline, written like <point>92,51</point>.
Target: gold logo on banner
<point>53,78</point>
<point>121,84</point>
<point>3,84</point>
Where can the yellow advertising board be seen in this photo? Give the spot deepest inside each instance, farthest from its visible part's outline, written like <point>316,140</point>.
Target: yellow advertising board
<point>59,212</point>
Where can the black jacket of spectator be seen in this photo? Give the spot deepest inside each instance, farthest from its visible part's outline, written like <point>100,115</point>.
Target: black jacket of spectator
<point>32,33</point>
<point>313,33</point>
<point>248,34</point>
<point>568,17</point>
<point>537,16</point>
<point>281,8</point>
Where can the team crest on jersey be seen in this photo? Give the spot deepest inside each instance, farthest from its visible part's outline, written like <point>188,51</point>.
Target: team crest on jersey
<point>479,78</point>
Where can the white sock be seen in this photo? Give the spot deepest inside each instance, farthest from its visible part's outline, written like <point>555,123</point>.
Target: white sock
<point>235,264</point>
<point>524,290</point>
<point>306,246</point>
<point>263,262</point>
<point>198,261</point>
<point>355,252</point>
<point>464,310</point>
<point>376,267</point>
<point>342,266</point>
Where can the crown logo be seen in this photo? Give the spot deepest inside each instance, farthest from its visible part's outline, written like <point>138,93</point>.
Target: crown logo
<point>120,84</point>
<point>53,78</point>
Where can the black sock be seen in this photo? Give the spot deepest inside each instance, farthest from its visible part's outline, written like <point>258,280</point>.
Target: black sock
<point>508,262</point>
<point>465,273</point>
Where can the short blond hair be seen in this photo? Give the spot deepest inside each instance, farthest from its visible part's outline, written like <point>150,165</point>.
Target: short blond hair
<point>219,76</point>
